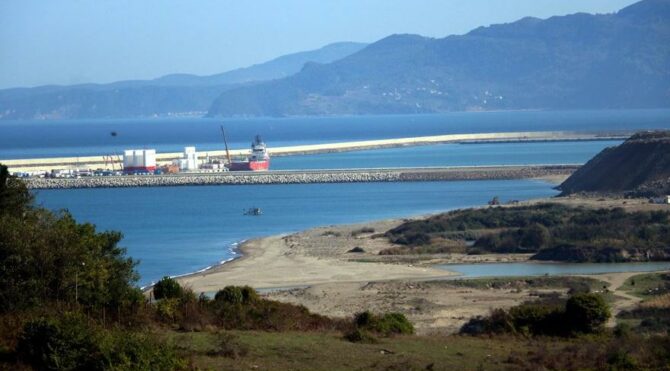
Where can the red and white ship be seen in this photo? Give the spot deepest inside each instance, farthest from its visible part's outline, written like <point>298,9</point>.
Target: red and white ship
<point>258,160</point>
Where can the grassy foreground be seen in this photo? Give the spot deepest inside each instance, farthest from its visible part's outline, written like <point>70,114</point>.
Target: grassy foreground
<point>328,351</point>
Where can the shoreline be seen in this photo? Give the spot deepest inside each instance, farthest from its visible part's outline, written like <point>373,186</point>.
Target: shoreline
<point>316,268</point>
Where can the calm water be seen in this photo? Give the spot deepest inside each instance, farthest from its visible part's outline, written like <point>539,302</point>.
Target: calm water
<point>23,139</point>
<point>177,230</point>
<point>540,269</point>
<point>451,155</point>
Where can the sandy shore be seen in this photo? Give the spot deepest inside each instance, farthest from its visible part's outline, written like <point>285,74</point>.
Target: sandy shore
<point>315,268</point>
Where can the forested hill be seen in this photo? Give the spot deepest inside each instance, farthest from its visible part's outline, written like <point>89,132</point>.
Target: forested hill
<point>569,62</point>
<point>641,165</point>
<point>176,94</point>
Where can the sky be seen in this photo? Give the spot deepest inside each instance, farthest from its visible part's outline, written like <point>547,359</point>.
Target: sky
<point>77,41</point>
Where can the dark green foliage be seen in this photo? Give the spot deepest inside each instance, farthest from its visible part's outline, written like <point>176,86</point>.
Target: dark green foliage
<point>582,313</point>
<point>587,312</point>
<point>551,231</point>
<point>68,343</point>
<point>385,324</point>
<point>167,288</point>
<point>46,256</point>
<point>14,196</point>
<point>241,308</point>
<point>74,342</point>
<point>236,295</point>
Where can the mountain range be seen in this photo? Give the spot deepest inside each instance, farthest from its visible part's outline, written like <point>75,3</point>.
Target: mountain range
<point>578,61</point>
<point>176,94</point>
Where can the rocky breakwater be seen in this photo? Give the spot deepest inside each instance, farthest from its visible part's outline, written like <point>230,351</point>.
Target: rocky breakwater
<point>297,177</point>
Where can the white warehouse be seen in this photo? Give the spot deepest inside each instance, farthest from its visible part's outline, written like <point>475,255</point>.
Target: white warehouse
<point>139,160</point>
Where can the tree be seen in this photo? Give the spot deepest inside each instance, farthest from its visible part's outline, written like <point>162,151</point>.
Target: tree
<point>587,312</point>
<point>47,256</point>
<point>167,288</point>
<point>14,195</point>
<point>535,236</point>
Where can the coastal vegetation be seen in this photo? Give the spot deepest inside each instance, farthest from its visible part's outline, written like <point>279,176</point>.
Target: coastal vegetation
<point>57,313</point>
<point>582,313</point>
<point>548,231</point>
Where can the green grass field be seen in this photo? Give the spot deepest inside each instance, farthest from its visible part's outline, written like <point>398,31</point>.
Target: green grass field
<point>648,285</point>
<point>328,351</point>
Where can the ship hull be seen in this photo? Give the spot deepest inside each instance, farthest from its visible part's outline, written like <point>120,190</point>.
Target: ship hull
<point>249,166</point>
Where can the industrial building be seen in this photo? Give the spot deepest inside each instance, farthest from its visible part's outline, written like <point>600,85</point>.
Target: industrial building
<point>139,161</point>
<point>189,161</point>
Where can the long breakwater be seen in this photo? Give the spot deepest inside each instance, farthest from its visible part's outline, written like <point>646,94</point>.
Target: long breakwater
<point>112,162</point>
<point>313,176</point>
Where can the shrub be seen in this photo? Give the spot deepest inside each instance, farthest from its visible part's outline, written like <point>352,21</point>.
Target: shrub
<point>167,288</point>
<point>582,313</point>
<point>125,350</point>
<point>586,312</point>
<point>236,295</point>
<point>74,343</point>
<point>66,344</point>
<point>168,309</point>
<point>386,324</point>
<point>360,336</point>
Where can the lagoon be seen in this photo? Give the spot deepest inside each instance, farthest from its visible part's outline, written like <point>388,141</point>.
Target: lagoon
<point>548,268</point>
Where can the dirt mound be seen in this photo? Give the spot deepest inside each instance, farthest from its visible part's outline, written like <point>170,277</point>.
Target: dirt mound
<point>640,166</point>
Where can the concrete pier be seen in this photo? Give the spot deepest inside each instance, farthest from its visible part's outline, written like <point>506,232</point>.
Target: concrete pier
<point>305,177</point>
<point>100,162</point>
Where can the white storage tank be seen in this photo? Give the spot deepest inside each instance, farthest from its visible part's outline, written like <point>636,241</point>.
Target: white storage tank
<point>139,158</point>
<point>191,158</point>
<point>149,158</point>
<point>128,158</point>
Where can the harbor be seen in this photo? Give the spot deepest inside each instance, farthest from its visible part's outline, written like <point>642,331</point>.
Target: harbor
<point>117,162</point>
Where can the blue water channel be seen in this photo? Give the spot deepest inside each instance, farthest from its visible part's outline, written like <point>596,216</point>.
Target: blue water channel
<point>571,152</point>
<point>177,230</point>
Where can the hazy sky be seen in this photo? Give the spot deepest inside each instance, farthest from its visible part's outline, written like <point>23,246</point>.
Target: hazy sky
<point>76,41</point>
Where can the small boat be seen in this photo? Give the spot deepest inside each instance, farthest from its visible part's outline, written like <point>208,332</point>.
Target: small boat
<point>254,211</point>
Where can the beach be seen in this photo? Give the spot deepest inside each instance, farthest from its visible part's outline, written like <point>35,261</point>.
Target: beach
<point>317,268</point>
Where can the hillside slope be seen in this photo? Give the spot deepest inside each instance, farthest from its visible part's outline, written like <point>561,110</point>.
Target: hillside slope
<point>578,61</point>
<point>168,95</point>
<point>641,165</point>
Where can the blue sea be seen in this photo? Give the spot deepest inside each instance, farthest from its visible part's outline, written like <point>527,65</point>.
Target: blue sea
<point>179,230</point>
<point>29,139</point>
